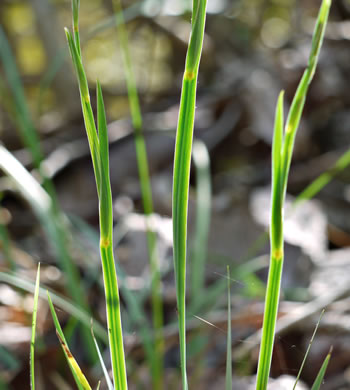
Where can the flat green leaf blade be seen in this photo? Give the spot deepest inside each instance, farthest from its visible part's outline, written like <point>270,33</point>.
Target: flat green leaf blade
<point>73,364</point>
<point>75,10</point>
<point>106,215</point>
<point>104,369</point>
<point>229,341</point>
<point>32,341</point>
<point>62,339</point>
<point>298,102</point>
<point>277,178</point>
<point>319,379</point>
<point>181,174</point>
<point>86,107</point>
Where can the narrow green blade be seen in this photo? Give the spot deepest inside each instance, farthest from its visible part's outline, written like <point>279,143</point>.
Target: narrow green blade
<point>319,379</point>
<point>298,102</point>
<point>308,350</point>
<point>77,374</point>
<point>88,115</point>
<point>105,372</point>
<point>181,174</point>
<point>106,214</point>
<point>229,341</point>
<point>277,195</point>
<point>32,341</point>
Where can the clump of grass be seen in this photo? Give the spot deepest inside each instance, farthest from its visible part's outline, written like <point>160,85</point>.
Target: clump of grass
<point>181,175</point>
<point>282,150</point>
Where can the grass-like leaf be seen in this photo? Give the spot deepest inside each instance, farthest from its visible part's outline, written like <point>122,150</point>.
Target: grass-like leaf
<point>319,379</point>
<point>298,102</point>
<point>181,175</point>
<point>62,302</point>
<point>73,364</point>
<point>32,340</point>
<point>308,350</point>
<point>98,143</point>
<point>52,217</point>
<point>228,383</point>
<point>105,372</point>
<point>282,150</point>
<point>75,369</point>
<point>156,362</point>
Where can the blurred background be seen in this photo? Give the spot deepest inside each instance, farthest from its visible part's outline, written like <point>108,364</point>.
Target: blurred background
<point>252,50</point>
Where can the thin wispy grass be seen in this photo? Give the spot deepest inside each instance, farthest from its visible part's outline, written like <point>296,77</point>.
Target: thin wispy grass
<point>104,369</point>
<point>308,350</point>
<point>181,174</point>
<point>32,339</point>
<point>63,303</point>
<point>53,218</point>
<point>282,150</point>
<point>147,201</point>
<point>228,381</point>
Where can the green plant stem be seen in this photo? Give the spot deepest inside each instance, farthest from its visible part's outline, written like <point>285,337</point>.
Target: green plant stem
<point>99,148</point>
<point>181,175</point>
<point>113,316</point>
<point>282,151</point>
<point>146,194</point>
<point>32,341</point>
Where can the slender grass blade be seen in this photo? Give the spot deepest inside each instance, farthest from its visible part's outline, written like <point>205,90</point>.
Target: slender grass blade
<point>181,174</point>
<point>319,379</point>
<point>229,341</point>
<point>280,169</point>
<point>105,372</point>
<point>156,363</point>
<point>308,350</point>
<point>32,341</point>
<point>66,351</point>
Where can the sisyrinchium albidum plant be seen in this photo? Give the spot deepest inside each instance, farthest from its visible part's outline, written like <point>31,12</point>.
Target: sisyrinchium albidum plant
<point>282,150</point>
<point>99,148</point>
<point>181,174</point>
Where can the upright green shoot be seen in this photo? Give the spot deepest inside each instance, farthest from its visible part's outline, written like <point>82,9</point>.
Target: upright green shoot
<point>228,384</point>
<point>98,142</point>
<point>32,341</point>
<point>146,194</point>
<point>307,351</point>
<point>282,150</point>
<point>181,175</point>
<point>320,376</point>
